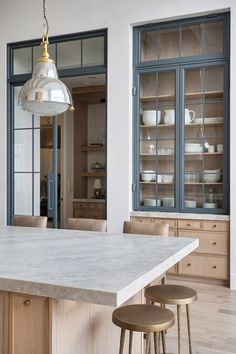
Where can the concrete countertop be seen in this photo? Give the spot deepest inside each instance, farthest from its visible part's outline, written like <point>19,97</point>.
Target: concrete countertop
<point>154,214</point>
<point>99,268</point>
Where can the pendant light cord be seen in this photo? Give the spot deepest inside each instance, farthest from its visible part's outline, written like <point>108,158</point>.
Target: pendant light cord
<point>45,25</point>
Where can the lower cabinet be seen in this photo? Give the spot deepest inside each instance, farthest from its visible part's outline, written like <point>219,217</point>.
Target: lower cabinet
<point>24,324</point>
<point>211,258</point>
<point>90,210</point>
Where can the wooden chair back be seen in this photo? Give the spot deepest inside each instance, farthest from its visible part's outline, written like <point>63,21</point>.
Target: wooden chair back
<point>29,221</point>
<point>87,224</point>
<point>148,228</point>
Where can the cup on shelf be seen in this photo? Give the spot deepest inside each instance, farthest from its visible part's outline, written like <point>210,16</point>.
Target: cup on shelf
<point>211,148</point>
<point>219,147</point>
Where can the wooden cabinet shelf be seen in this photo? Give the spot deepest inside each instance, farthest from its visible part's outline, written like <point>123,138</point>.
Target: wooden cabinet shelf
<point>145,126</point>
<point>188,95</point>
<point>93,174</point>
<point>87,148</point>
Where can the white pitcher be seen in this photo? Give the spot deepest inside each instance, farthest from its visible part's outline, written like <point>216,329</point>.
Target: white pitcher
<point>188,118</point>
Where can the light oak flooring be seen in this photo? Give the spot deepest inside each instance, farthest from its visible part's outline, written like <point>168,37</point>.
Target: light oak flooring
<point>213,321</point>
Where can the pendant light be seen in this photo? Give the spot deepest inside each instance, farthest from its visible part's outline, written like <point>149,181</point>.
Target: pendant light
<point>45,94</point>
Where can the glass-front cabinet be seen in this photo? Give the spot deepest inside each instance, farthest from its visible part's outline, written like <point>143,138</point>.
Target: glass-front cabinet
<point>181,116</point>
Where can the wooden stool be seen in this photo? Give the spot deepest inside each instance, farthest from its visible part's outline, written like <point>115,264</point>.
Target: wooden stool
<point>142,318</point>
<point>174,295</point>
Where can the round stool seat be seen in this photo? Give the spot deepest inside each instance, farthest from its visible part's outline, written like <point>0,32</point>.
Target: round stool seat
<point>143,318</point>
<point>171,294</point>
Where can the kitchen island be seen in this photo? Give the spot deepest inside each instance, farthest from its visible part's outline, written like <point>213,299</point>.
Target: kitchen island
<point>58,288</point>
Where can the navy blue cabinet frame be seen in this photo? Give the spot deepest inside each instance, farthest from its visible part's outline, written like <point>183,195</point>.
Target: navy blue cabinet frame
<point>180,64</point>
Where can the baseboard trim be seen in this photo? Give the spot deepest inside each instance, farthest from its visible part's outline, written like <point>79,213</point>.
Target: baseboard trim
<point>233,281</point>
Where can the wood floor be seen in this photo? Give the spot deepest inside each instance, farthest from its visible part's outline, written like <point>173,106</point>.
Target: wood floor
<point>213,321</point>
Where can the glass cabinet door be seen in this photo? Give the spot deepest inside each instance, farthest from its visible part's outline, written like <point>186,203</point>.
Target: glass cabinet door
<point>157,113</point>
<point>204,119</point>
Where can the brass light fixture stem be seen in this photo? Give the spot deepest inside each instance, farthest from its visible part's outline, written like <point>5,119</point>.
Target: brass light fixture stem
<point>45,55</point>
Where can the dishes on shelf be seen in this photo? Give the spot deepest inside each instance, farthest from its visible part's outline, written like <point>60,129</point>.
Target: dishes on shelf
<point>210,205</point>
<point>169,118</point>
<point>148,176</point>
<point>167,178</point>
<point>191,177</point>
<point>208,120</point>
<point>193,148</point>
<point>152,202</point>
<point>190,203</point>
<point>212,176</point>
<point>151,117</point>
<point>168,202</point>
<point>166,151</point>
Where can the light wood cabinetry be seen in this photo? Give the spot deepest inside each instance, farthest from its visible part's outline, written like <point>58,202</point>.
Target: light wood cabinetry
<point>3,323</point>
<point>89,150</point>
<point>28,324</point>
<point>211,258</point>
<point>90,210</point>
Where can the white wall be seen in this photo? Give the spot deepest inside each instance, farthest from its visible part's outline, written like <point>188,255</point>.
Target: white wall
<point>25,20</point>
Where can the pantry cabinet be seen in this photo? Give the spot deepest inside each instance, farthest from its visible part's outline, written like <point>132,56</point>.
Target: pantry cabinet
<point>181,118</point>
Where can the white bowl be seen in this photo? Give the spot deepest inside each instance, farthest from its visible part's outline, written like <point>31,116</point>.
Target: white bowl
<point>168,202</point>
<point>211,176</point>
<point>190,203</point>
<point>148,176</point>
<point>152,202</point>
<point>151,117</point>
<point>209,205</point>
<point>193,147</point>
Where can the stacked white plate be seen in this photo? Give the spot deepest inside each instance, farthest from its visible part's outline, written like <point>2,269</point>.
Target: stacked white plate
<point>152,202</point>
<point>193,147</point>
<point>168,202</point>
<point>208,120</point>
<point>148,176</point>
<point>209,205</point>
<point>190,203</point>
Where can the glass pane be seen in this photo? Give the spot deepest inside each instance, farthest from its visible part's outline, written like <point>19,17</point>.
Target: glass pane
<point>36,150</point>
<point>22,119</point>
<point>37,51</point>
<point>23,193</point>
<point>93,51</point>
<point>23,150</point>
<point>22,61</point>
<point>169,43</point>
<point>69,54</point>
<point>203,134</point>
<point>190,40</point>
<point>149,46</point>
<point>157,139</point>
<point>213,37</point>
<point>37,196</point>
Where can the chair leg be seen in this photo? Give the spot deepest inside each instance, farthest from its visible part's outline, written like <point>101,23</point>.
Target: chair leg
<point>122,340</point>
<point>179,329</point>
<point>147,343</point>
<point>188,324</point>
<point>130,341</point>
<point>163,342</point>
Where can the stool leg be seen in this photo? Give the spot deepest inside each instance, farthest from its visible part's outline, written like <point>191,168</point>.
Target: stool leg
<point>122,340</point>
<point>163,342</point>
<point>179,330</point>
<point>189,332</point>
<point>155,343</point>
<point>147,342</point>
<point>130,341</point>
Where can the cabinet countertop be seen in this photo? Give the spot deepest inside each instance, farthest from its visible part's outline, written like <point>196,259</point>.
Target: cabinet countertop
<point>94,267</point>
<point>154,214</point>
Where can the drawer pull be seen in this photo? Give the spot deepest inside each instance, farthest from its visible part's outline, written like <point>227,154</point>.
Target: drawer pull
<point>214,267</point>
<point>27,302</point>
<point>214,225</point>
<point>214,243</point>
<point>188,225</point>
<point>189,264</point>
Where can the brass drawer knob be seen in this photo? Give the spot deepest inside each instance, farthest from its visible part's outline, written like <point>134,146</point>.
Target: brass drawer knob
<point>214,225</point>
<point>27,302</point>
<point>189,264</point>
<point>214,243</point>
<point>214,267</point>
<point>188,225</point>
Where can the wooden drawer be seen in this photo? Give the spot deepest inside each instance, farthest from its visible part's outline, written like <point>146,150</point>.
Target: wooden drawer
<point>204,266</point>
<point>172,232</point>
<point>215,225</point>
<point>89,205</point>
<point>89,213</point>
<point>173,270</point>
<point>209,242</point>
<point>189,224</point>
<point>171,222</point>
<point>140,219</point>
